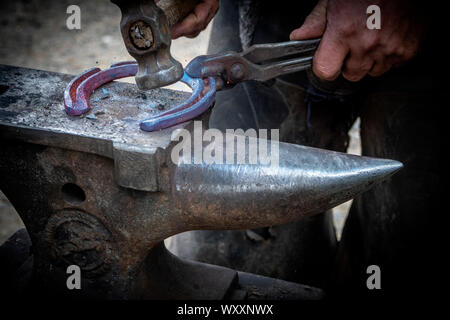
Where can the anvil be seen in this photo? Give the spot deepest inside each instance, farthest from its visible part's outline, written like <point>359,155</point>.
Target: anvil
<point>97,192</point>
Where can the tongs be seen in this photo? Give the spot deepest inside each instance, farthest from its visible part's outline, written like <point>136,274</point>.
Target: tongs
<point>259,62</point>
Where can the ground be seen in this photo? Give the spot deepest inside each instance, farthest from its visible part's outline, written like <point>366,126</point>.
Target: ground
<point>34,35</point>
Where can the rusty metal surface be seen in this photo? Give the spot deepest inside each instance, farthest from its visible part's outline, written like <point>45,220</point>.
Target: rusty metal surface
<point>33,102</point>
<point>165,268</point>
<point>34,99</point>
<point>102,195</point>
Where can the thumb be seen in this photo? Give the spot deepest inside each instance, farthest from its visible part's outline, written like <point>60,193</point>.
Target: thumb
<point>314,24</point>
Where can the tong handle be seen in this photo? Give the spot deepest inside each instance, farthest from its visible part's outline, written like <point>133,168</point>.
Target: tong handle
<point>281,68</point>
<point>263,52</point>
<point>260,62</point>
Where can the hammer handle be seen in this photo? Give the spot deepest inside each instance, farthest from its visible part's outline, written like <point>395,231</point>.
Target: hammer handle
<point>177,10</point>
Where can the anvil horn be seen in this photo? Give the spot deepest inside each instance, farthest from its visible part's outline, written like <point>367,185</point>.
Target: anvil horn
<point>306,181</point>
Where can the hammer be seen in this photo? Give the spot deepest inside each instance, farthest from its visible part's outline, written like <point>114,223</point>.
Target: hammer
<point>145,29</point>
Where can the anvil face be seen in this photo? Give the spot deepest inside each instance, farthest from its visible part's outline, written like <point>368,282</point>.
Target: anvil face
<point>99,192</point>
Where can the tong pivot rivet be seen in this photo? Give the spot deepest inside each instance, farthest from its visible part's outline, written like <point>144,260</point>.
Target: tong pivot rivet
<point>237,72</point>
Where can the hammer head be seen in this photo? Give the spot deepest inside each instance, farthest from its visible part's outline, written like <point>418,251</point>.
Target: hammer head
<point>145,31</point>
